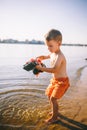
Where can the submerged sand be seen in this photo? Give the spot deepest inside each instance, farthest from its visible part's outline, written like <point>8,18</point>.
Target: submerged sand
<point>73,109</point>
<point>73,117</point>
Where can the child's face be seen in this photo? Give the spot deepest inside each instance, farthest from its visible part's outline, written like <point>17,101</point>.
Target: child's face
<point>53,46</point>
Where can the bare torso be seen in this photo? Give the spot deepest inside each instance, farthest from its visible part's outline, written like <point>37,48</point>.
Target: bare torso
<point>62,68</point>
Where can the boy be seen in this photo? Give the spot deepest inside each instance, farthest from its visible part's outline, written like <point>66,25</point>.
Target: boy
<point>60,82</point>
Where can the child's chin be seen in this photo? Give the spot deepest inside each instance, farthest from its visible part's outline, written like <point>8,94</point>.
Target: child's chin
<point>51,51</point>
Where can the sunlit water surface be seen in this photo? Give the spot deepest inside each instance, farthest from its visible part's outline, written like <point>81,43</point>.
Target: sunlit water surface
<point>22,98</point>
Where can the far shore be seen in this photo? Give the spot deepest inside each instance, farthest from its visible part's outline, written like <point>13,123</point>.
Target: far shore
<point>42,43</point>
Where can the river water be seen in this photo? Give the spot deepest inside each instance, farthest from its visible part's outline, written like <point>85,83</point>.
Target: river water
<point>22,98</point>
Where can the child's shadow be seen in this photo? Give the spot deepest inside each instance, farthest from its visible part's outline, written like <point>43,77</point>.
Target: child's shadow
<point>71,124</point>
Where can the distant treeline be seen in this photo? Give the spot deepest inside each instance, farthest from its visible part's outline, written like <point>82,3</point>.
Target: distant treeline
<point>21,42</point>
<point>67,44</point>
<point>7,41</point>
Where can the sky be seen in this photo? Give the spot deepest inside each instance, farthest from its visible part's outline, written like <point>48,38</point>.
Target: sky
<point>32,19</point>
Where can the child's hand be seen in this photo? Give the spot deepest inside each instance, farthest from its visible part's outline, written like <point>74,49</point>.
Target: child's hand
<point>38,67</point>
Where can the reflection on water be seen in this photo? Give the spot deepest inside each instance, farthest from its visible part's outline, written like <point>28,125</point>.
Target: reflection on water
<point>22,98</point>
<point>20,108</point>
<point>22,102</point>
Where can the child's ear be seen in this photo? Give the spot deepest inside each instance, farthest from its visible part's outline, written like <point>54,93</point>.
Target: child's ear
<point>59,42</point>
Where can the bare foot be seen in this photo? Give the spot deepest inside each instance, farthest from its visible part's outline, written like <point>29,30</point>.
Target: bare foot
<point>51,121</point>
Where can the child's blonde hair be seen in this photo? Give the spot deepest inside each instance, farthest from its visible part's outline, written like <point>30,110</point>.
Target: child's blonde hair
<point>53,35</point>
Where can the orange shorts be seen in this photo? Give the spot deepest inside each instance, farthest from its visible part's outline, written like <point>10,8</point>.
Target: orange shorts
<point>57,87</point>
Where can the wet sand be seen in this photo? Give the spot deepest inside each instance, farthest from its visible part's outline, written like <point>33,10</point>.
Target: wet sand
<point>73,110</point>
<point>73,117</point>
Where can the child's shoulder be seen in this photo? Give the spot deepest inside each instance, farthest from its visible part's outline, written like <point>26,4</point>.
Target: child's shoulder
<point>61,56</point>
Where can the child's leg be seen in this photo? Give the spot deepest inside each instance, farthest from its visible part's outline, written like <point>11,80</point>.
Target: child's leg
<point>54,116</point>
<point>54,107</point>
<point>51,104</point>
<point>50,101</point>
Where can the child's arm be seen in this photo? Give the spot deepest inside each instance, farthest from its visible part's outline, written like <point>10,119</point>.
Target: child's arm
<point>43,57</point>
<point>53,69</point>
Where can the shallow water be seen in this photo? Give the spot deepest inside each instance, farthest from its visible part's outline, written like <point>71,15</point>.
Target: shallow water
<point>22,98</point>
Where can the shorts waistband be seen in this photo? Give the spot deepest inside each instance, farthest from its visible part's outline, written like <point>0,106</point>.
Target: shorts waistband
<point>61,78</point>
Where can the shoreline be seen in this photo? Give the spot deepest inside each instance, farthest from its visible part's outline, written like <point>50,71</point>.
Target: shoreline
<point>63,44</point>
<point>31,111</point>
<point>73,113</point>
